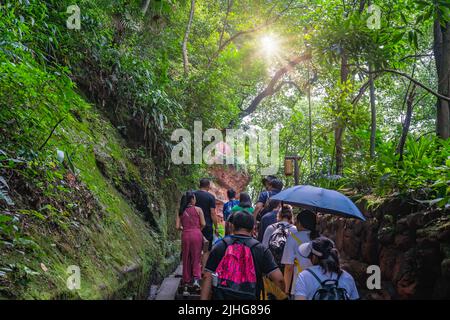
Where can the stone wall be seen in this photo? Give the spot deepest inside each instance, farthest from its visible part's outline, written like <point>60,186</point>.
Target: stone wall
<point>410,244</point>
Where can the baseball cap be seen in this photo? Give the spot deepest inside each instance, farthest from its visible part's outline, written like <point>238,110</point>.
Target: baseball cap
<point>319,247</point>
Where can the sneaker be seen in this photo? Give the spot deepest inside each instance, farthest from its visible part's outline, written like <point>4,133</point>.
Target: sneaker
<point>196,284</point>
<point>186,291</point>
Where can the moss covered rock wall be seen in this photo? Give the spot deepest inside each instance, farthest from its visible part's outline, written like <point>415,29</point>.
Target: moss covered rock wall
<point>72,193</point>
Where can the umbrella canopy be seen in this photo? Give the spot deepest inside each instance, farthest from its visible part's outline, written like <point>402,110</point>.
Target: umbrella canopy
<point>323,200</point>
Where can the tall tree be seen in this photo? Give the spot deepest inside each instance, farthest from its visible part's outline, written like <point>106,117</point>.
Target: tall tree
<point>407,122</point>
<point>186,38</point>
<point>373,112</point>
<point>339,125</point>
<point>442,56</point>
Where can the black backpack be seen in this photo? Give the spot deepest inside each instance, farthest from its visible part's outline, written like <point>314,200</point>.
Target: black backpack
<point>277,241</point>
<point>329,289</point>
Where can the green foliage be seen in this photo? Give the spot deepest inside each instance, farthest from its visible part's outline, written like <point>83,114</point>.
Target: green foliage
<point>424,170</point>
<point>127,65</point>
<point>59,211</point>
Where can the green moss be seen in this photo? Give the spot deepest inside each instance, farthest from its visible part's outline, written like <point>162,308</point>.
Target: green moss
<point>107,237</point>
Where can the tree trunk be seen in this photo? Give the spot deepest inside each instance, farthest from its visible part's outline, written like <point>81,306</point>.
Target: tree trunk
<point>442,57</point>
<point>338,132</point>
<point>186,37</point>
<point>225,22</point>
<point>373,112</point>
<point>339,126</point>
<point>407,122</point>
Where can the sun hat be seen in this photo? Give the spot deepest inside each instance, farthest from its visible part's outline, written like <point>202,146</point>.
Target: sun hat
<point>319,247</point>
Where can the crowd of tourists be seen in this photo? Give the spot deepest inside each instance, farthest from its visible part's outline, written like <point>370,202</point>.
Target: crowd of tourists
<point>261,252</point>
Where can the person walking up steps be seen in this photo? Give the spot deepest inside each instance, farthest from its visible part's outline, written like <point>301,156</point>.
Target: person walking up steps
<point>269,218</point>
<point>207,202</point>
<point>293,262</point>
<point>279,231</point>
<point>237,264</point>
<point>245,204</point>
<point>191,221</point>
<point>325,280</point>
<point>275,238</point>
<point>232,201</point>
<point>262,204</point>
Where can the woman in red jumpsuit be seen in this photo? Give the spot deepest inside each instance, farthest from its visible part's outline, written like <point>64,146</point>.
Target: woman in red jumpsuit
<point>191,221</point>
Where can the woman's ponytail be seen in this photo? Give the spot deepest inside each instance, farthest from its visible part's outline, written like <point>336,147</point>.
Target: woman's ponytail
<point>286,212</point>
<point>327,255</point>
<point>330,261</point>
<point>185,201</point>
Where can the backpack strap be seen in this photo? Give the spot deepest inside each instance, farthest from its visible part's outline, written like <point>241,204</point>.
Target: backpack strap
<point>299,242</point>
<point>322,282</point>
<point>253,243</point>
<point>228,241</point>
<point>339,276</point>
<point>315,276</point>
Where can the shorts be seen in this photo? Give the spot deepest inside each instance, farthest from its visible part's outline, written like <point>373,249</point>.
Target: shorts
<point>208,234</point>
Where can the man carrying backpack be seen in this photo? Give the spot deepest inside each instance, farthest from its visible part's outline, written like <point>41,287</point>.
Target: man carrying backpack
<point>273,187</point>
<point>324,280</point>
<point>207,202</point>
<point>232,201</point>
<point>237,264</point>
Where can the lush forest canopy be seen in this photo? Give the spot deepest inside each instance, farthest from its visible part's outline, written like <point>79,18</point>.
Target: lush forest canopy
<point>360,92</point>
<point>353,98</point>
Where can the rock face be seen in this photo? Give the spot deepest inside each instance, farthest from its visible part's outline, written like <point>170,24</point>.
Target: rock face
<point>226,177</point>
<point>411,246</point>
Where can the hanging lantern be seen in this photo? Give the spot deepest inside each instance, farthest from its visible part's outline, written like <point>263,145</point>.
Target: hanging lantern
<point>288,167</point>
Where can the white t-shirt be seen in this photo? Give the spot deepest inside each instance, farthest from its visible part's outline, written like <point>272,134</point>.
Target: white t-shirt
<point>307,284</point>
<point>290,254</point>
<point>271,229</point>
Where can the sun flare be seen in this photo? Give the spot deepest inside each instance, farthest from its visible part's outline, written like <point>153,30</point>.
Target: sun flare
<point>270,45</point>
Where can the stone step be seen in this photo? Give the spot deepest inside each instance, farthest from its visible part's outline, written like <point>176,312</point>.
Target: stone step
<point>168,289</point>
<point>179,271</point>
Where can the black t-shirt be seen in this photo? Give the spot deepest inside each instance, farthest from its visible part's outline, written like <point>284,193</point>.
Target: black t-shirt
<point>206,201</point>
<point>264,264</point>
